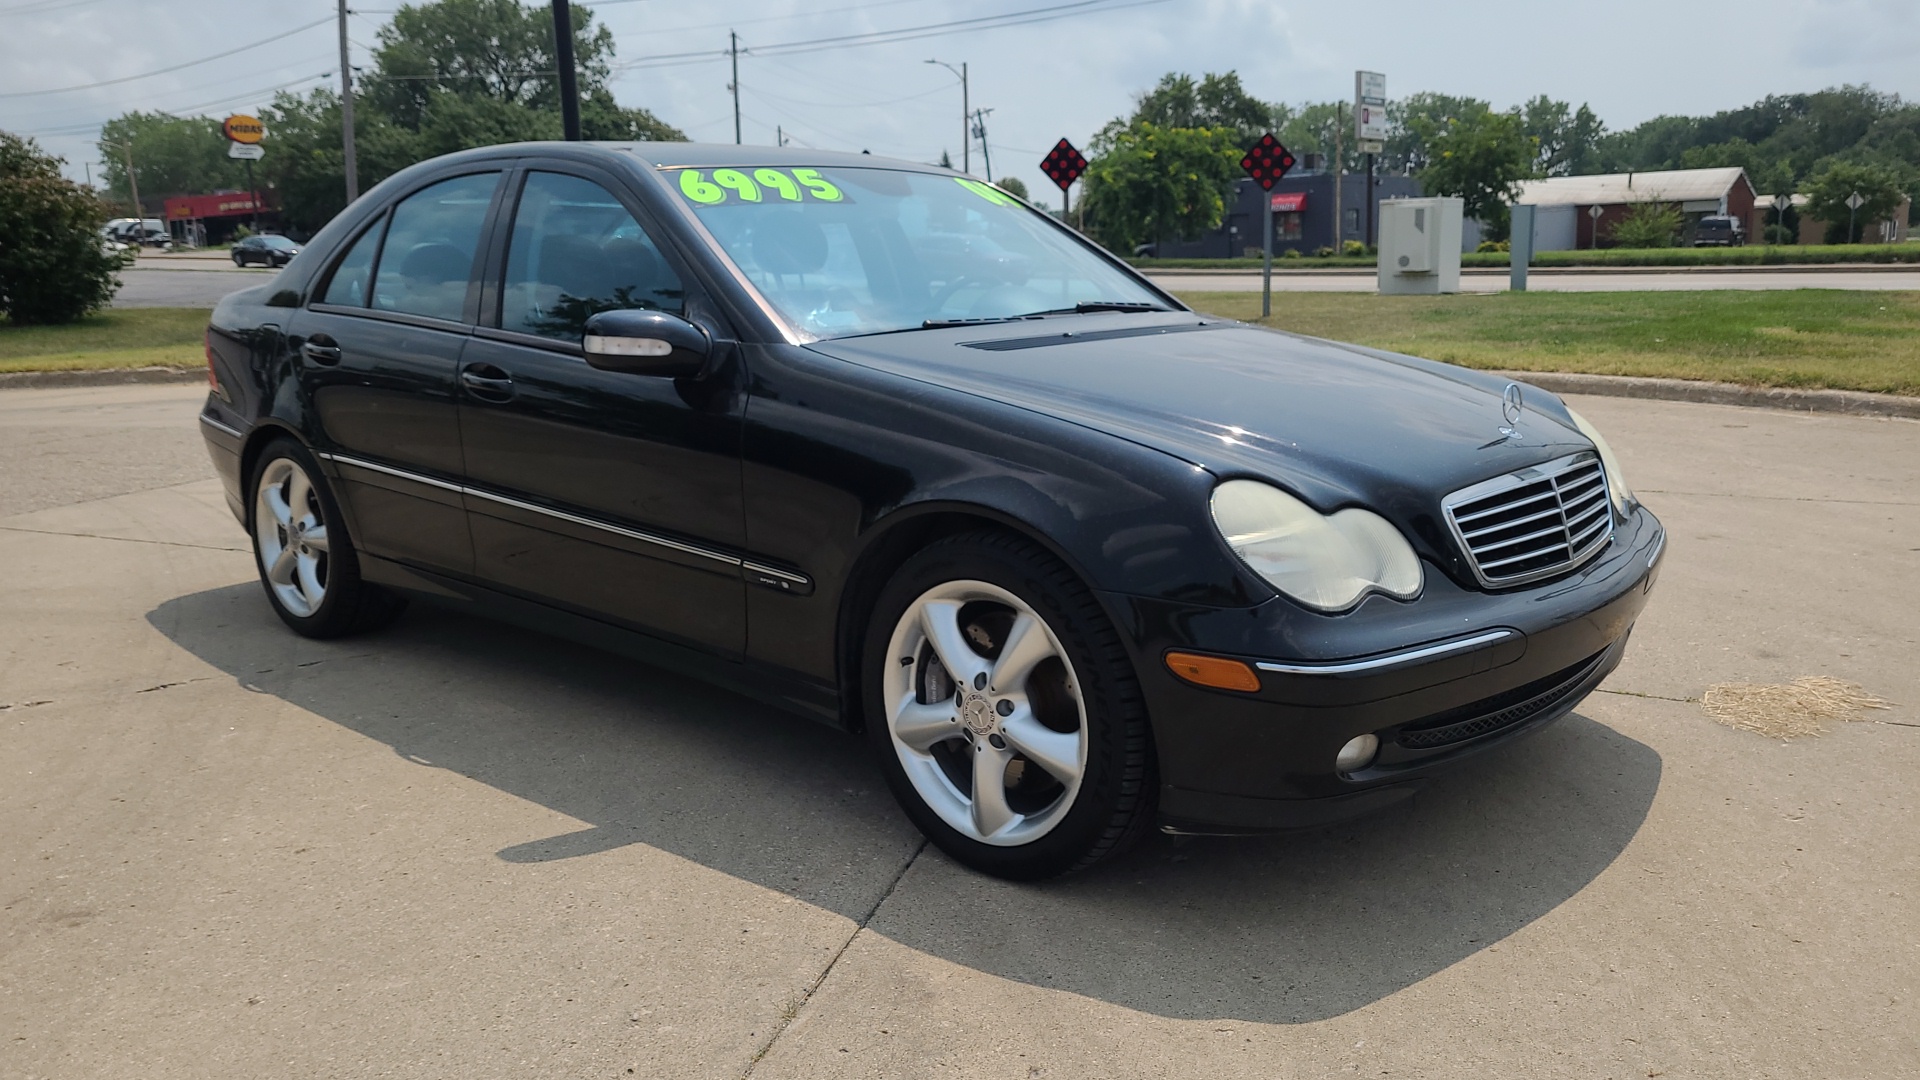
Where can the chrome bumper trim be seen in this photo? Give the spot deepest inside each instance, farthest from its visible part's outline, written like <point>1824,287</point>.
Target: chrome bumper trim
<point>1425,652</point>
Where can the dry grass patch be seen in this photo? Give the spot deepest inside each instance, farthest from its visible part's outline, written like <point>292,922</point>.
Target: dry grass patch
<point>1787,710</point>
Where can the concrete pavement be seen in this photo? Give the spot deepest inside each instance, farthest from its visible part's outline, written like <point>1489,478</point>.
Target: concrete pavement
<point>454,848</point>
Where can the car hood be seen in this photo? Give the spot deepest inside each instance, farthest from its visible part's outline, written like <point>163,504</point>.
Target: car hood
<point>1337,424</point>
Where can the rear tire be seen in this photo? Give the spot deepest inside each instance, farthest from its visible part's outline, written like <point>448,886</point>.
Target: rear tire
<point>303,552</point>
<point>1004,711</point>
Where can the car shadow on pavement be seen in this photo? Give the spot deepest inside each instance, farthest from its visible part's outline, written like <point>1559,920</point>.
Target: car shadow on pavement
<point>1277,930</point>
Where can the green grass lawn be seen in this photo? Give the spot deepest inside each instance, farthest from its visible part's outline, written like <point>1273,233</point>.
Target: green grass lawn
<point>119,338</point>
<point>1751,255</point>
<point>1802,338</point>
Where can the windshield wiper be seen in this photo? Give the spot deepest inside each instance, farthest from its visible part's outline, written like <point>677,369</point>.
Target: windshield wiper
<point>1086,307</point>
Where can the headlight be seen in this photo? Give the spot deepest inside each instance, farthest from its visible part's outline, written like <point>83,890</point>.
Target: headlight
<point>1623,499</point>
<point>1325,562</point>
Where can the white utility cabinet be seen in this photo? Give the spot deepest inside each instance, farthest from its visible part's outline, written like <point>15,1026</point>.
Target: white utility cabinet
<point>1420,245</point>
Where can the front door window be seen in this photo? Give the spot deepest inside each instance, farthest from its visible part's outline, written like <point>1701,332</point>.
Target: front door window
<point>576,252</point>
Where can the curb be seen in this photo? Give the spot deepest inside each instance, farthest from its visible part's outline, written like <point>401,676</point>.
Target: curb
<point>25,380</point>
<point>1845,402</point>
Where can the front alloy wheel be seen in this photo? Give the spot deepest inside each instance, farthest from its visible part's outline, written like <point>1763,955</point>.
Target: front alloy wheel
<point>1004,710</point>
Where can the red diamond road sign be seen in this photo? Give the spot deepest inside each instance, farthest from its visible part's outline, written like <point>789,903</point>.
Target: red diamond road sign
<point>1267,162</point>
<point>1064,165</point>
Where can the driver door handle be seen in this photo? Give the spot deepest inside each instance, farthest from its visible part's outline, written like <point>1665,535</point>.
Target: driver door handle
<point>487,382</point>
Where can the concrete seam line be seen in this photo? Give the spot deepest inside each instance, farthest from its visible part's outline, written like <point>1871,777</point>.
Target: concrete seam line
<point>806,994</point>
<point>1848,402</point>
<point>30,380</point>
<point>122,539</point>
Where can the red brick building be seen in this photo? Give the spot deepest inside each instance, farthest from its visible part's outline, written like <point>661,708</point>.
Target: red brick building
<point>1571,199</point>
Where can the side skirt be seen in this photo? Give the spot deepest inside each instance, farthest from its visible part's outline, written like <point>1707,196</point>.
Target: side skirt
<point>766,685</point>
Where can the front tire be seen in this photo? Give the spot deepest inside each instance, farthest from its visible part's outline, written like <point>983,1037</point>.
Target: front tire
<point>1005,712</point>
<point>305,557</point>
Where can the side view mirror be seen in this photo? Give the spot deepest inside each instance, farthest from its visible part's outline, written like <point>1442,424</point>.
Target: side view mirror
<point>644,342</point>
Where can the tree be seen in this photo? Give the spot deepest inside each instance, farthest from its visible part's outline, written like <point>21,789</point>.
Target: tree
<point>1153,183</point>
<point>1480,157</point>
<point>1413,119</point>
<point>447,75</point>
<point>1318,128</point>
<point>1216,101</point>
<point>1566,139</point>
<point>1648,224</point>
<point>53,266</point>
<point>1768,176</point>
<point>1014,186</point>
<point>173,155</point>
<point>1827,198</point>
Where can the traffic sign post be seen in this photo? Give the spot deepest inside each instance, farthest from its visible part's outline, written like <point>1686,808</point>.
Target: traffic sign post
<point>1594,212</point>
<point>1267,162</point>
<point>1781,204</point>
<point>1370,128</point>
<point>1854,202</point>
<point>1063,165</point>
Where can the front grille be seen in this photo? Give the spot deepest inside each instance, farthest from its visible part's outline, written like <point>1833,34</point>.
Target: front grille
<point>1500,711</point>
<point>1534,523</point>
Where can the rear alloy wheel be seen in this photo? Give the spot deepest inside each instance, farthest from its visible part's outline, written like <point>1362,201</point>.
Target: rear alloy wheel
<point>306,561</point>
<point>1005,712</point>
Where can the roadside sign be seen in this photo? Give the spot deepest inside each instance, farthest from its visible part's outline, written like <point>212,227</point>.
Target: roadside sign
<point>1594,212</point>
<point>1267,162</point>
<point>1369,107</point>
<point>246,151</point>
<point>1854,201</point>
<point>1783,203</point>
<point>1372,146</point>
<point>1063,164</point>
<point>242,128</point>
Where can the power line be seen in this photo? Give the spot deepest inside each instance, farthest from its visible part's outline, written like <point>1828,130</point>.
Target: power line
<point>176,67</point>
<point>182,111</point>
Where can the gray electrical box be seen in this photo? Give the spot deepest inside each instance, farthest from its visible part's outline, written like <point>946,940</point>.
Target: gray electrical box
<point>1420,245</point>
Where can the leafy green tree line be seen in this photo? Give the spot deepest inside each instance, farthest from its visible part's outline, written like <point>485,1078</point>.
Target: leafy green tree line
<point>1167,170</point>
<point>446,75</point>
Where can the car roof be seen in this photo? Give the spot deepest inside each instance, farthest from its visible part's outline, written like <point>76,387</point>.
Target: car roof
<point>674,155</point>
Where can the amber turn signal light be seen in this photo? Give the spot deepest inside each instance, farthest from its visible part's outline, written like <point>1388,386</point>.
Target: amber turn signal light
<point>1217,672</point>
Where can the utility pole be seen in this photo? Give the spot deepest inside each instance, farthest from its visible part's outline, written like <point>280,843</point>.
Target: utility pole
<point>133,185</point>
<point>733,50</point>
<point>980,130</point>
<point>346,110</point>
<point>966,114</point>
<point>563,60</point>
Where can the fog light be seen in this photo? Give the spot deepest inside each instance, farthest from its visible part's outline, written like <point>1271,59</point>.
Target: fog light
<point>1357,754</point>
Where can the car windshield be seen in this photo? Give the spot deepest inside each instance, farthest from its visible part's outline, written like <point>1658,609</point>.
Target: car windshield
<point>277,242</point>
<point>849,251</point>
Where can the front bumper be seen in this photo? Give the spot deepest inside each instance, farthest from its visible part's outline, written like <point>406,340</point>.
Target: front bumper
<point>1437,680</point>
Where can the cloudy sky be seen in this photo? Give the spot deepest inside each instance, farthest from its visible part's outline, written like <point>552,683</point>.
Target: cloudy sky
<point>1631,59</point>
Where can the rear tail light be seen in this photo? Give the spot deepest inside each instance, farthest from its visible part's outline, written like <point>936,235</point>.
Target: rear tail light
<point>213,374</point>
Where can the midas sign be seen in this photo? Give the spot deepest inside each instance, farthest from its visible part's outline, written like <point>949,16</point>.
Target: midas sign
<point>242,128</point>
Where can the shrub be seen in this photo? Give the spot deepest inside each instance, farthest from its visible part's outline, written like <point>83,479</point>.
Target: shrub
<point>1489,246</point>
<point>1353,247</point>
<point>53,266</point>
<point>1290,253</point>
<point>1780,234</point>
<point>1324,251</point>
<point>1649,224</point>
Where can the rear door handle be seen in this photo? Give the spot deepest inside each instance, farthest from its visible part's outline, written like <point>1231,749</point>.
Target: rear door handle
<point>486,382</point>
<point>321,349</point>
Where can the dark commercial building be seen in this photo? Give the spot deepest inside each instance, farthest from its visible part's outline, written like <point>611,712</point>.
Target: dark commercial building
<point>1303,218</point>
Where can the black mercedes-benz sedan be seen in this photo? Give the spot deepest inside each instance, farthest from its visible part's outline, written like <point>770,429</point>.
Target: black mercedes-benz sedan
<point>889,447</point>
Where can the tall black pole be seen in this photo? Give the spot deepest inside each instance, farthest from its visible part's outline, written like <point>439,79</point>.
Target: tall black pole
<point>352,168</point>
<point>1369,200</point>
<point>563,60</point>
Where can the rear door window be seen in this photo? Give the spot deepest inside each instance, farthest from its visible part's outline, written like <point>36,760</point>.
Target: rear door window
<point>427,262</point>
<point>348,286</point>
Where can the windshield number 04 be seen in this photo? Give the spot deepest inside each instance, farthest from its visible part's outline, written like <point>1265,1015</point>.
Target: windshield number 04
<point>761,185</point>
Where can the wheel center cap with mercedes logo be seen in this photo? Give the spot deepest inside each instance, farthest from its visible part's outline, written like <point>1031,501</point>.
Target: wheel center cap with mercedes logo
<point>977,714</point>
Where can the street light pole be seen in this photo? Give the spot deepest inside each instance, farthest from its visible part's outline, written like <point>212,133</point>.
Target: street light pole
<point>966,114</point>
<point>346,110</point>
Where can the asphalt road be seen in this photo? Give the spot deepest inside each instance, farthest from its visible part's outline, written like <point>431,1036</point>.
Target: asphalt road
<point>193,286</point>
<point>457,849</point>
<point>1552,282</point>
